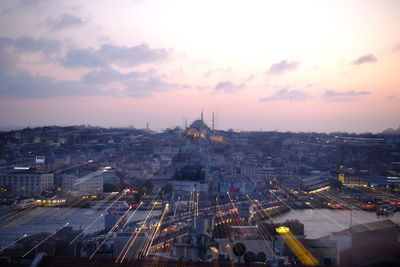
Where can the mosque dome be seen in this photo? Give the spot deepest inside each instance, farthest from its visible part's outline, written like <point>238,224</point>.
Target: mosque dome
<point>198,125</point>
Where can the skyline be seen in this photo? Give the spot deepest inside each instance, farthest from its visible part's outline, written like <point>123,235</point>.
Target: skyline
<point>301,66</point>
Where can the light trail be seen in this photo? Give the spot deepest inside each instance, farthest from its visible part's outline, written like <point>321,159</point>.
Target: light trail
<point>127,221</point>
<point>220,214</point>
<point>112,204</point>
<point>260,226</point>
<point>305,257</point>
<point>130,241</point>
<point>283,202</point>
<point>64,215</point>
<point>158,227</point>
<point>19,213</point>
<point>81,233</point>
<point>190,201</point>
<point>197,205</point>
<point>44,240</point>
<point>26,217</point>
<point>260,211</point>
<point>386,193</point>
<point>106,199</point>
<point>236,213</point>
<point>320,212</point>
<point>159,190</point>
<point>22,237</point>
<point>109,233</point>
<point>151,231</point>
<point>176,208</point>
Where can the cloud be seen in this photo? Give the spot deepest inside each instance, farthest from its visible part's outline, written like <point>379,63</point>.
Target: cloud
<point>283,67</point>
<point>63,22</point>
<point>83,58</point>
<point>331,95</point>
<point>369,58</point>
<point>8,62</point>
<point>107,75</point>
<point>30,45</point>
<point>228,86</point>
<point>286,95</point>
<point>136,84</point>
<point>146,88</point>
<point>112,54</point>
<point>12,49</point>
<point>23,5</point>
<point>24,85</point>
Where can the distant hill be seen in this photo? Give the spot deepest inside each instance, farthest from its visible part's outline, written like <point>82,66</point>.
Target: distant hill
<point>392,131</point>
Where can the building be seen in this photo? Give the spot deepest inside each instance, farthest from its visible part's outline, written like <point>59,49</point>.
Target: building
<point>27,183</point>
<point>67,180</point>
<point>198,129</point>
<point>370,244</point>
<point>86,185</point>
<point>189,186</point>
<point>314,183</point>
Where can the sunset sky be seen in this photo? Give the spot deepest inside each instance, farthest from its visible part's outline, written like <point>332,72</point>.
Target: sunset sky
<point>273,65</point>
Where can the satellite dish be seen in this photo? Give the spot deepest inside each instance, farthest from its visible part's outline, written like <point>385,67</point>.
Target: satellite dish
<point>239,249</point>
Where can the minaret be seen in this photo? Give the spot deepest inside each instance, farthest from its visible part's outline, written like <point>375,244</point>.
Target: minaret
<point>213,122</point>
<point>202,115</point>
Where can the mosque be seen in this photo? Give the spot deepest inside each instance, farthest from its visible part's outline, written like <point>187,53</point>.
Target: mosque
<point>198,129</point>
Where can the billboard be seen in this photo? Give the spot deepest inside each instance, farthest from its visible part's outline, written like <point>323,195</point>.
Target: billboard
<point>40,159</point>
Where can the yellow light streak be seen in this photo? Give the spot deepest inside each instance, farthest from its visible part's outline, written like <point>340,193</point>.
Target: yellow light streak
<point>131,241</point>
<point>158,227</point>
<point>282,230</point>
<point>305,257</point>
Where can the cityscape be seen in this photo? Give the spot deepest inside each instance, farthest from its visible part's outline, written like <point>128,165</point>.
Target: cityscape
<point>214,133</point>
<point>198,195</point>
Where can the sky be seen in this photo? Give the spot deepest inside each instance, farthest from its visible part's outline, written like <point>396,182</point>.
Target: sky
<point>302,65</point>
